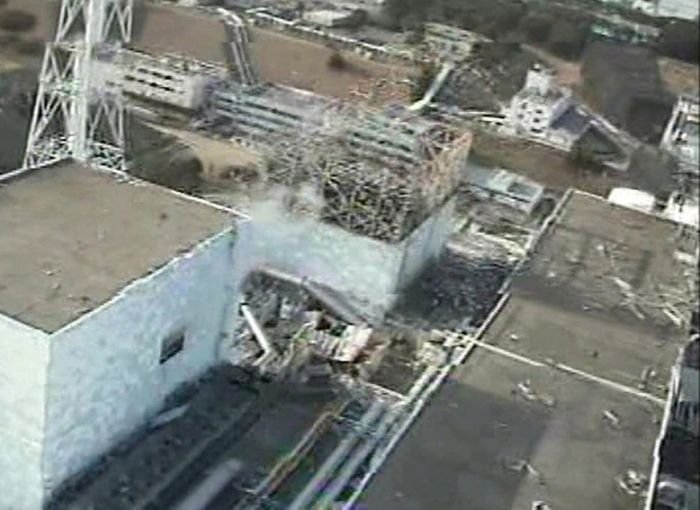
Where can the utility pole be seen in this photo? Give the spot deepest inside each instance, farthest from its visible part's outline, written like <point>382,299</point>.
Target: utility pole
<point>71,118</point>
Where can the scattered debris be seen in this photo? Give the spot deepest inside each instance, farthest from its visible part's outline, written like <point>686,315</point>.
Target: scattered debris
<point>522,466</point>
<point>647,375</point>
<point>632,482</point>
<point>528,393</point>
<point>612,418</point>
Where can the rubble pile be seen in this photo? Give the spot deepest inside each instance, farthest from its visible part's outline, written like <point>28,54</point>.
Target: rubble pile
<point>456,292</point>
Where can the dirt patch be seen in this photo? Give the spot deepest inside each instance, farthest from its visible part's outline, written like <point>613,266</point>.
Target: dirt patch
<point>550,167</point>
<point>218,157</point>
<point>280,58</point>
<point>163,29</point>
<point>23,49</point>
<point>679,77</point>
<point>304,64</point>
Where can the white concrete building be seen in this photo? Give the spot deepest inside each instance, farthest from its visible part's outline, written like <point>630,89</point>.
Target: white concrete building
<point>504,187</point>
<point>450,42</point>
<point>328,17</point>
<point>539,104</point>
<point>112,295</point>
<point>636,199</point>
<point>169,80</point>
<point>684,9</point>
<point>396,137</point>
<point>682,134</point>
<point>264,110</point>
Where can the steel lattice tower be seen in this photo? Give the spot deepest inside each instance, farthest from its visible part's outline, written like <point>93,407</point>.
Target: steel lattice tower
<point>71,119</point>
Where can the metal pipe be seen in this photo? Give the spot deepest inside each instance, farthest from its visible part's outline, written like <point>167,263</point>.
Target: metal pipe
<point>358,457</point>
<point>305,497</point>
<point>421,398</point>
<point>265,345</point>
<point>203,494</point>
<point>283,468</point>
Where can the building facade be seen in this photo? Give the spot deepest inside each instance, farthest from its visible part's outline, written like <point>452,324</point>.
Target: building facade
<point>258,112</point>
<point>683,9</point>
<point>676,475</point>
<point>169,80</point>
<point>682,134</point>
<point>96,336</point>
<point>539,104</point>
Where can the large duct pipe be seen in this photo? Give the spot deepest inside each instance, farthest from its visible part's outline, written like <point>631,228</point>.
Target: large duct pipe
<point>358,457</point>
<point>305,498</point>
<point>205,492</point>
<point>265,345</point>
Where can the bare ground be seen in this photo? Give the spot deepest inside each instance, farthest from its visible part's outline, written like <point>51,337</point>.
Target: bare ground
<point>679,77</point>
<point>568,74</point>
<point>547,166</point>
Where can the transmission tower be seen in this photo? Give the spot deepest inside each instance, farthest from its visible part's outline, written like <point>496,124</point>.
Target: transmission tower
<point>71,118</point>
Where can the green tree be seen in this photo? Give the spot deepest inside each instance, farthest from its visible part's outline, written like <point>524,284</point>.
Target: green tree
<point>680,39</point>
<point>536,27</point>
<point>567,39</point>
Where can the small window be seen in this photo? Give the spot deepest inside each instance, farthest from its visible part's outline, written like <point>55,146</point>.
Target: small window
<point>172,345</point>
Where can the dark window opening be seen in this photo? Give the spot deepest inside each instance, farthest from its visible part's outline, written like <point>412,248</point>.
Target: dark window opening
<point>172,345</point>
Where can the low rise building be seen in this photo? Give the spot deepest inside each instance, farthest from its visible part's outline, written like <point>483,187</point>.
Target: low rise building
<point>682,134</point>
<point>504,187</point>
<point>539,104</point>
<point>329,18</point>
<point>683,9</point>
<point>169,80</point>
<point>450,42</point>
<point>268,109</point>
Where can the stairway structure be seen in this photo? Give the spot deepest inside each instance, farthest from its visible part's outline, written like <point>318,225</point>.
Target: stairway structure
<point>238,43</point>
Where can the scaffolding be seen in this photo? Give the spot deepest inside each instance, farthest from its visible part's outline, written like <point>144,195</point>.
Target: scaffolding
<point>383,200</point>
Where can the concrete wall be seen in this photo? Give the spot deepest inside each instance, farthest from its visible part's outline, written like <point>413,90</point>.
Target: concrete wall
<point>23,363</point>
<point>357,266</point>
<point>365,269</point>
<point>425,243</point>
<point>105,379</point>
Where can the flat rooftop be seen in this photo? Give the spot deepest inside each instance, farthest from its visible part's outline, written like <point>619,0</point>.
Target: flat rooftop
<point>569,334</point>
<point>72,237</point>
<point>481,445</point>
